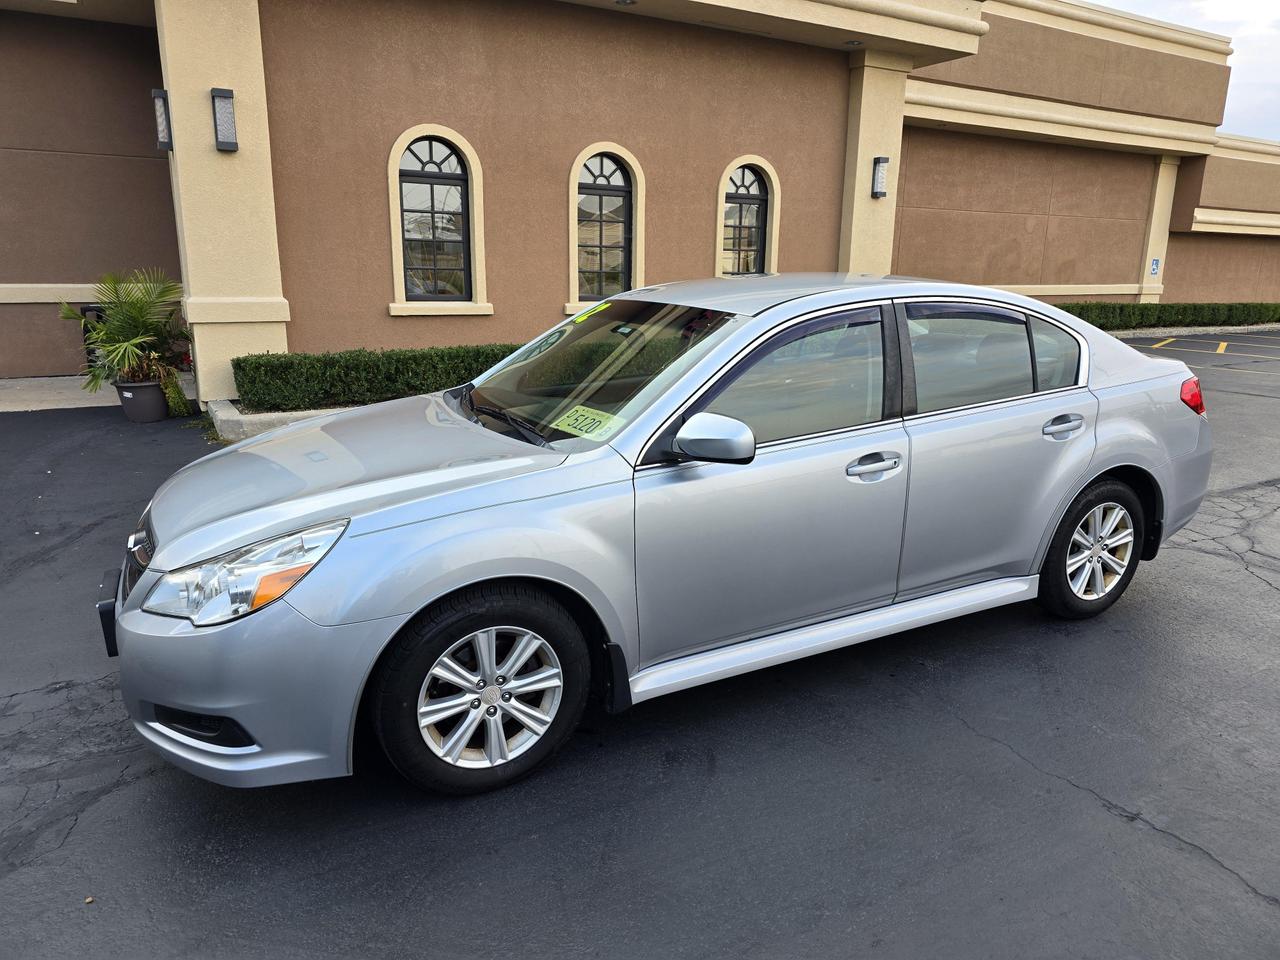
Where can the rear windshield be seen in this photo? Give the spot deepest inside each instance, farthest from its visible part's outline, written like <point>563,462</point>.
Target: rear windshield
<point>588,377</point>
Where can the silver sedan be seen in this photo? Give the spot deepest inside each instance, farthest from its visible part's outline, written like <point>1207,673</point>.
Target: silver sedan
<point>677,485</point>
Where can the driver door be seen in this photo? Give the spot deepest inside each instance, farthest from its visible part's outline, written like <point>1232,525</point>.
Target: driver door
<point>806,532</point>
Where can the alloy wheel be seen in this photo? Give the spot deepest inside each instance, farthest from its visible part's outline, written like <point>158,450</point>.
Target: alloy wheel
<point>1100,551</point>
<point>490,697</point>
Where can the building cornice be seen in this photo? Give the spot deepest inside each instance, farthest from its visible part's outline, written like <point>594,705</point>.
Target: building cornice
<point>1213,220</point>
<point>1117,26</point>
<point>1233,147</point>
<point>46,292</point>
<point>928,31</point>
<point>929,103</point>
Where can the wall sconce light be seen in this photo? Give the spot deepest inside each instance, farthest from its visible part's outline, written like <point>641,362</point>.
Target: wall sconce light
<point>164,132</point>
<point>224,119</point>
<point>879,177</point>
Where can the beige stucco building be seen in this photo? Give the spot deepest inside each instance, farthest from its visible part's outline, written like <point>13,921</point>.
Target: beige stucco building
<point>428,172</point>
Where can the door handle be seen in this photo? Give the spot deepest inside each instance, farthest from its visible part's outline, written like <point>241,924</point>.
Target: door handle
<point>1062,425</point>
<point>864,466</point>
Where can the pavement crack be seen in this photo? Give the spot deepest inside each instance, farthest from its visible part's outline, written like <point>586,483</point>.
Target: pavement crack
<point>1124,813</point>
<point>1230,524</point>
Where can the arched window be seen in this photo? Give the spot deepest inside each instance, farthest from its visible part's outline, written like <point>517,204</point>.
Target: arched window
<point>435,221</point>
<point>604,227</point>
<point>746,211</point>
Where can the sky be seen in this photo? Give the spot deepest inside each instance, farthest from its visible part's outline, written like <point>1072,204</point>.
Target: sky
<point>1253,100</point>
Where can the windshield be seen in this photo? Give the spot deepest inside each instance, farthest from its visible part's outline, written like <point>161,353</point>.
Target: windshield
<point>588,377</point>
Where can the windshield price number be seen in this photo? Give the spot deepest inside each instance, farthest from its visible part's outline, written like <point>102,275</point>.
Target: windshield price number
<point>584,421</point>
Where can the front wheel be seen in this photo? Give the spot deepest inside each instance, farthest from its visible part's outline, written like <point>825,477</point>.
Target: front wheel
<point>1094,553</point>
<point>480,690</point>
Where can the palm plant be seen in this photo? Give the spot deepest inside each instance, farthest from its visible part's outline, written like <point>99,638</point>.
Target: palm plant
<point>137,338</point>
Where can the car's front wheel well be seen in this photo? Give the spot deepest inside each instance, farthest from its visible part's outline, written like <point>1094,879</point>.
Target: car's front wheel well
<point>1149,495</point>
<point>608,686</point>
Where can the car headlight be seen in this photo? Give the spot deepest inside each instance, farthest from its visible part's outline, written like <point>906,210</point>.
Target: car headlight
<point>243,580</point>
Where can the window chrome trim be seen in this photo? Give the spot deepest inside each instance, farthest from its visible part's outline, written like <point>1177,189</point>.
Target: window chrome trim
<point>1082,373</point>
<point>969,407</point>
<point>770,445</point>
<point>733,361</point>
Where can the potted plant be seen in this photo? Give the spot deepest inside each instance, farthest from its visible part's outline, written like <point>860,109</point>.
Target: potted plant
<point>135,342</point>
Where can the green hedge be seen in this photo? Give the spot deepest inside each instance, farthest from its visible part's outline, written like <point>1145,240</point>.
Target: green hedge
<point>1134,316</point>
<point>310,381</point>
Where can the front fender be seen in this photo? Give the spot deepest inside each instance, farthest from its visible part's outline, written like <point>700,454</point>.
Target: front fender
<point>581,539</point>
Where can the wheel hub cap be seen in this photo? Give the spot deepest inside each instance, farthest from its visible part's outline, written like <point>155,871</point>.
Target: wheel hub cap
<point>1100,551</point>
<point>490,697</point>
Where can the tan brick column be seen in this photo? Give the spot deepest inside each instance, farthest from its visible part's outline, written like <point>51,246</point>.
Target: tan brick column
<point>1152,284</point>
<point>223,201</point>
<point>877,86</point>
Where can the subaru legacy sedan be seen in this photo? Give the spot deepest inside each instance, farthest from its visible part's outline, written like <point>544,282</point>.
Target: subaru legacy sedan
<point>677,485</point>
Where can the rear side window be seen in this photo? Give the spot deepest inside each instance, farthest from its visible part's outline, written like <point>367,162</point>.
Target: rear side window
<point>1057,355</point>
<point>821,376</point>
<point>965,354</point>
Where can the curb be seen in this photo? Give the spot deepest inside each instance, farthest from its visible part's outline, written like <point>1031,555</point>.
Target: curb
<point>230,424</point>
<point>1242,329</point>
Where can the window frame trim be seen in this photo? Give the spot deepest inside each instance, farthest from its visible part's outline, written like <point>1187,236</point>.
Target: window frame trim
<point>772,211</point>
<point>909,412</point>
<point>573,305</point>
<point>477,304</point>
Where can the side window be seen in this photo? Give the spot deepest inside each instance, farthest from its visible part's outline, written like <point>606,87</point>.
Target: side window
<point>828,375</point>
<point>965,354</point>
<point>1057,355</point>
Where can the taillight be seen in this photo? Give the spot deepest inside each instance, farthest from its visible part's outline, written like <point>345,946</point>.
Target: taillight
<point>1191,394</point>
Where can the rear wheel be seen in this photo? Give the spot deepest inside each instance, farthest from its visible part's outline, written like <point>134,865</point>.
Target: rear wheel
<point>1094,553</point>
<point>480,690</point>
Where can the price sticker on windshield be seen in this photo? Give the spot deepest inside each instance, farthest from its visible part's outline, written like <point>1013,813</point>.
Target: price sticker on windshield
<point>584,421</point>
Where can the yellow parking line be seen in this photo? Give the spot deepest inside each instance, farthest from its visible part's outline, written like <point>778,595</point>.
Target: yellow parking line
<point>1222,347</point>
<point>1156,346</point>
<point>1256,356</point>
<point>1244,332</point>
<point>1252,340</point>
<point>1265,373</point>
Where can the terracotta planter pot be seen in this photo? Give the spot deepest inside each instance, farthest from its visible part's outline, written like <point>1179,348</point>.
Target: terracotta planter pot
<point>143,402</point>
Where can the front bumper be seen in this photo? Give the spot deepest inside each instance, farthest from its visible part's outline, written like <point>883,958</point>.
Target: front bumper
<point>292,684</point>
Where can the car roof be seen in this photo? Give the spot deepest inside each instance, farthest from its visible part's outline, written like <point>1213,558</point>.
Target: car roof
<point>752,295</point>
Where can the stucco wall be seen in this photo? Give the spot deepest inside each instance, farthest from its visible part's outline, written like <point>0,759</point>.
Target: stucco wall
<point>1210,268</point>
<point>1224,183</point>
<point>1011,212</point>
<point>1035,60</point>
<point>84,189</point>
<point>529,85</point>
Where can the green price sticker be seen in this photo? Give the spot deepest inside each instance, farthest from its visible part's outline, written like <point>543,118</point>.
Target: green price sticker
<point>587,422</point>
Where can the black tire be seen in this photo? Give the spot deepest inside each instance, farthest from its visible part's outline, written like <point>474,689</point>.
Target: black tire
<point>403,670</point>
<point>1056,595</point>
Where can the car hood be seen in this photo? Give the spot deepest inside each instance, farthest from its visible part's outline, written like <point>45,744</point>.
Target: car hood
<point>338,465</point>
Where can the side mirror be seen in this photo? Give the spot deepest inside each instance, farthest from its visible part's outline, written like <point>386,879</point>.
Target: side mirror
<point>716,439</point>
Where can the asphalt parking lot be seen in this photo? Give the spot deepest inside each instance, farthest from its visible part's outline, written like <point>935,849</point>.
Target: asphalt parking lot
<point>1004,785</point>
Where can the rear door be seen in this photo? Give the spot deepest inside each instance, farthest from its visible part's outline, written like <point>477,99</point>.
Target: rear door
<point>1001,430</point>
